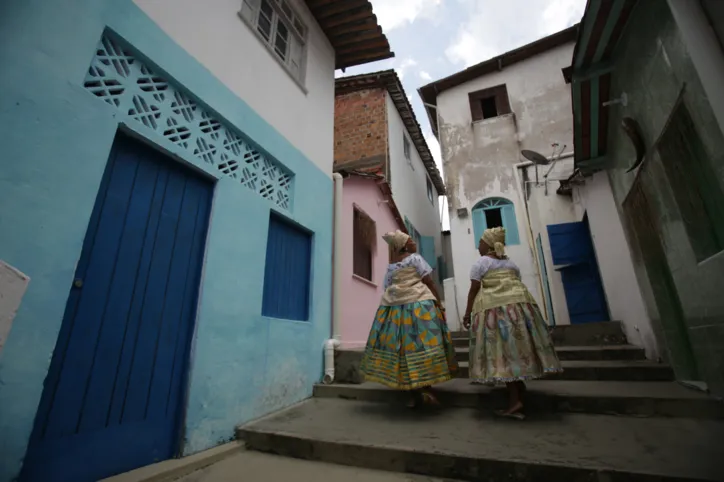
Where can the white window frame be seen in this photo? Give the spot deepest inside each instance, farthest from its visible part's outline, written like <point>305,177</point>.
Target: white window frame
<point>282,12</point>
<point>430,193</point>
<point>406,147</point>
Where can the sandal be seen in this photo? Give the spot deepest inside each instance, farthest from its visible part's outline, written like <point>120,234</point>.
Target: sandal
<point>430,400</point>
<point>514,415</point>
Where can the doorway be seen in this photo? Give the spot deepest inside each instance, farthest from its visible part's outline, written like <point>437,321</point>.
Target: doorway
<point>113,397</point>
<point>572,251</point>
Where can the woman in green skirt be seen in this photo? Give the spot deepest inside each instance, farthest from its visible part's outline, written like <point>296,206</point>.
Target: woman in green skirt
<point>409,347</point>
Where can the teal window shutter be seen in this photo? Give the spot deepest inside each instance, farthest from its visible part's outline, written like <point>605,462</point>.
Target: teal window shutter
<point>479,225</point>
<point>510,224</point>
<point>427,250</point>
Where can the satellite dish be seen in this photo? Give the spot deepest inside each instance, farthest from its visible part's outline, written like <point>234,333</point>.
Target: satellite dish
<point>535,157</point>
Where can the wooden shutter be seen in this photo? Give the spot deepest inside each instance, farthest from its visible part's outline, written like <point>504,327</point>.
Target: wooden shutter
<point>427,250</point>
<point>287,272</point>
<point>363,239</point>
<point>479,225</point>
<point>510,223</point>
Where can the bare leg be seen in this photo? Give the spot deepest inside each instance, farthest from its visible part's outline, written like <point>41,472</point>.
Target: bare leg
<point>515,393</point>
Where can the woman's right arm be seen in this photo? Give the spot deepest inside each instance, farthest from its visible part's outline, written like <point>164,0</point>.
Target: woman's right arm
<point>476,274</point>
<point>472,293</point>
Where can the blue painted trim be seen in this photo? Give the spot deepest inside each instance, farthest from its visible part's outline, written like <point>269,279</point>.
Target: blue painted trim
<point>507,213</point>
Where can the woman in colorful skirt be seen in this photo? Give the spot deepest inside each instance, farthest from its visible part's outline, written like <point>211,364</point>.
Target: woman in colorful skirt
<point>509,340</point>
<point>409,347</point>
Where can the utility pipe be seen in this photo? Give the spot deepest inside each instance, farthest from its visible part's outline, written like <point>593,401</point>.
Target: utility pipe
<point>334,341</point>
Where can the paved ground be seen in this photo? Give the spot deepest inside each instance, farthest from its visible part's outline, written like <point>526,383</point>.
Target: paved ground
<point>257,467</point>
<point>663,447</point>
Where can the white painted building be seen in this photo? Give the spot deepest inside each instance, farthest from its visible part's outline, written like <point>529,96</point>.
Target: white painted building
<point>484,117</point>
<point>293,91</point>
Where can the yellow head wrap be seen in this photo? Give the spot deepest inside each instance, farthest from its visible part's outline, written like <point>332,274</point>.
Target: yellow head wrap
<point>495,238</point>
<point>396,239</point>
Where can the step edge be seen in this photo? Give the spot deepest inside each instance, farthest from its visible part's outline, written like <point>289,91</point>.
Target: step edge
<point>400,451</point>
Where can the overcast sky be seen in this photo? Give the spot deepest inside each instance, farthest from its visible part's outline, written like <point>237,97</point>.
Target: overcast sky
<point>435,38</point>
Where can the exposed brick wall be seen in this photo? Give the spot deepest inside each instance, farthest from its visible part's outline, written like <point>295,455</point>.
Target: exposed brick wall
<point>360,129</point>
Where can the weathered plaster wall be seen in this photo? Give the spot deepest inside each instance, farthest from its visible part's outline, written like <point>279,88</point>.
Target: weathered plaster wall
<point>361,298</point>
<point>479,158</point>
<point>56,137</point>
<point>215,35</point>
<point>625,301</point>
<point>653,64</point>
<point>409,181</point>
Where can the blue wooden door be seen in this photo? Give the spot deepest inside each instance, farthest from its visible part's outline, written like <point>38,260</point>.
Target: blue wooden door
<point>114,392</point>
<point>572,250</point>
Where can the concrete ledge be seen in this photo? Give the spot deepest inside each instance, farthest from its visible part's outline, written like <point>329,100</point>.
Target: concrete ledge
<point>583,353</point>
<point>346,365</point>
<point>466,444</point>
<point>653,399</point>
<point>176,468</point>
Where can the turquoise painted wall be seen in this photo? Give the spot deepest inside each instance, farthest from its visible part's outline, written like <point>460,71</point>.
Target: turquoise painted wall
<point>55,139</point>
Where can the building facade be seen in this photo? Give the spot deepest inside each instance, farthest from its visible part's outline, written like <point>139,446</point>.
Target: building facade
<point>369,211</point>
<point>153,186</point>
<point>483,117</point>
<point>376,132</point>
<point>653,127</point>
<point>563,233</point>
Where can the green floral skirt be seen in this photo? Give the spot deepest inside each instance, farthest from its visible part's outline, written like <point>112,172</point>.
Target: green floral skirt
<point>409,347</point>
<point>511,343</point>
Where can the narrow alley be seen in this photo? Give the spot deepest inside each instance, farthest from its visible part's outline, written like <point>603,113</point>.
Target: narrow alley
<point>362,240</point>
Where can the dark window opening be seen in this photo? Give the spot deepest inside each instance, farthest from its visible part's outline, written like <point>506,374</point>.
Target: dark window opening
<point>488,107</point>
<point>489,103</point>
<point>494,218</point>
<point>364,234</point>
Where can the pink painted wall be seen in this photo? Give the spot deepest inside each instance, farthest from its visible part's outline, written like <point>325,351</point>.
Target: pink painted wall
<point>360,298</point>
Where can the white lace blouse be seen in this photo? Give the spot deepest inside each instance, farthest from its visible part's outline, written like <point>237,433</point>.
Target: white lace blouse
<point>423,269</point>
<point>487,263</point>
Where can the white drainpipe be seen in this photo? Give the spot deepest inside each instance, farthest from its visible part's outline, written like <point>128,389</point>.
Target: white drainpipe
<point>334,341</point>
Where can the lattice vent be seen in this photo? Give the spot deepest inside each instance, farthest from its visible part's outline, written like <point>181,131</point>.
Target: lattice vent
<point>125,82</point>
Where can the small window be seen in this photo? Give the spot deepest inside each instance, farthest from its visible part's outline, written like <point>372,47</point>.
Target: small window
<point>495,213</point>
<point>287,274</point>
<point>364,234</point>
<point>693,179</point>
<point>489,103</point>
<point>493,218</point>
<point>281,29</point>
<point>430,195</point>
<point>406,147</point>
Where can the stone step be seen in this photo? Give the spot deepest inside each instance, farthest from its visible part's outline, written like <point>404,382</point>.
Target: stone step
<point>584,353</point>
<point>587,334</point>
<point>347,364</point>
<point>473,445</point>
<point>653,399</point>
<point>628,371</point>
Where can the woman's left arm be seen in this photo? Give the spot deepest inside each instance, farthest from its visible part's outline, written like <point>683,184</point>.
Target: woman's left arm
<point>431,285</point>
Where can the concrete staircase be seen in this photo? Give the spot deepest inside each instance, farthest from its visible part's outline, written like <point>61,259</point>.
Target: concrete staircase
<point>611,416</point>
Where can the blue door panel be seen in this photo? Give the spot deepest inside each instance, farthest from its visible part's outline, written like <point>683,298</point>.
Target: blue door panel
<point>113,394</point>
<point>570,243</point>
<point>572,247</point>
